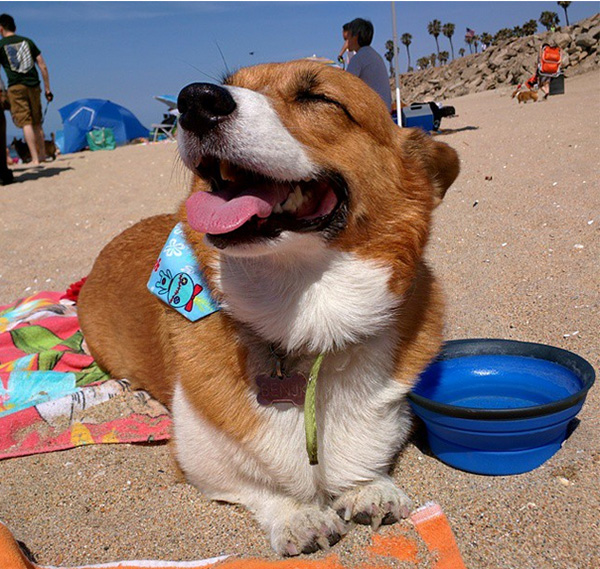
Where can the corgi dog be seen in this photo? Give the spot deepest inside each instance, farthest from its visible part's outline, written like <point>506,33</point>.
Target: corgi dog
<point>308,215</point>
<point>22,150</point>
<point>524,96</point>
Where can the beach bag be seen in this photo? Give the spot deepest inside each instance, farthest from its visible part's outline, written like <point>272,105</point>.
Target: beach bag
<point>550,58</point>
<point>101,139</point>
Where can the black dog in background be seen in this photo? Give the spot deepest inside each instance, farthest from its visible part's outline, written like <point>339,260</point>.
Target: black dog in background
<point>22,150</point>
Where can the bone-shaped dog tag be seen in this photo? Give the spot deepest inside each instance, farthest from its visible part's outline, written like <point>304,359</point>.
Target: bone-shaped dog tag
<point>287,389</point>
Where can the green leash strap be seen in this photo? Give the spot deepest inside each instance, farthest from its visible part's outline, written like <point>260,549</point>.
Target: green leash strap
<point>310,414</point>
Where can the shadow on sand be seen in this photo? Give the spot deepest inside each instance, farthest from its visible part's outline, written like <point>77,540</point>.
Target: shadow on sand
<point>453,130</point>
<point>35,174</point>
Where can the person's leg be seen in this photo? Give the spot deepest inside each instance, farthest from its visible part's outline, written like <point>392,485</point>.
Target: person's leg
<point>34,135</point>
<point>20,109</point>
<point>545,87</point>
<point>35,105</point>
<point>31,140</point>
<point>39,138</point>
<point>6,175</point>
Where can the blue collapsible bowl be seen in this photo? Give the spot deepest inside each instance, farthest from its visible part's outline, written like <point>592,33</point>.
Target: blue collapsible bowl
<point>500,406</point>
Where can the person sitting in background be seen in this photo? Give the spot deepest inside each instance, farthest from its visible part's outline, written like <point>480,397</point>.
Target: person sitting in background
<point>367,63</point>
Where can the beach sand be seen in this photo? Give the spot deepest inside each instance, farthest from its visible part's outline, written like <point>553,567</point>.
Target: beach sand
<point>516,246</point>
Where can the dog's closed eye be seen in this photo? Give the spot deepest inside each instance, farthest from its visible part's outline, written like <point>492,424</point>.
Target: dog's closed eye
<point>306,96</point>
<point>310,89</point>
<point>317,97</point>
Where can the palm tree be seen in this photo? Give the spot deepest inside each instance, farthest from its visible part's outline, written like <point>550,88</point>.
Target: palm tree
<point>406,39</point>
<point>432,58</point>
<point>461,52</point>
<point>389,55</point>
<point>518,32</point>
<point>530,27</point>
<point>549,20</point>
<point>434,28</point>
<point>564,6</point>
<point>423,62</point>
<point>443,57</point>
<point>448,31</point>
<point>469,42</point>
<point>476,42</point>
<point>503,34</point>
<point>486,38</point>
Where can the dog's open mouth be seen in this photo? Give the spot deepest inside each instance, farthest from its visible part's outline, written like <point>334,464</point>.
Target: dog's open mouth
<point>244,206</point>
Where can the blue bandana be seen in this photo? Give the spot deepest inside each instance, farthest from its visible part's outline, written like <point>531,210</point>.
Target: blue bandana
<point>178,280</point>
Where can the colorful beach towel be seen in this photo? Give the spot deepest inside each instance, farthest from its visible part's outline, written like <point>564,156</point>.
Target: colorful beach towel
<point>427,543</point>
<point>53,395</point>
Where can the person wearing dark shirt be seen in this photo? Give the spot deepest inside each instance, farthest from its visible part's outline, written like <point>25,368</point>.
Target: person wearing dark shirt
<point>19,56</point>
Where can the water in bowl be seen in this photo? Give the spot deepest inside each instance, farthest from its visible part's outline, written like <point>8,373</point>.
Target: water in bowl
<point>497,382</point>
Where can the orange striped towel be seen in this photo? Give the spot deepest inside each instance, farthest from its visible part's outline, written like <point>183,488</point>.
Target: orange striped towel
<point>433,527</point>
<point>436,549</point>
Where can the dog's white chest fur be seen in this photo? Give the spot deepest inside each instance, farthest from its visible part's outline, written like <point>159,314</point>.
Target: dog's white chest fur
<point>308,296</point>
<point>362,420</point>
<point>321,300</point>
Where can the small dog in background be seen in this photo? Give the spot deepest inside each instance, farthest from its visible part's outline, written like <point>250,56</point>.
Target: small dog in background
<point>524,96</point>
<point>22,150</point>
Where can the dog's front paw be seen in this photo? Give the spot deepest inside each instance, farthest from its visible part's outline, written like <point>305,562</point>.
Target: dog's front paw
<point>379,502</point>
<point>306,529</point>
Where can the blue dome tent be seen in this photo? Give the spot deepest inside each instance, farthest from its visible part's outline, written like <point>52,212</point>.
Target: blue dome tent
<point>83,115</point>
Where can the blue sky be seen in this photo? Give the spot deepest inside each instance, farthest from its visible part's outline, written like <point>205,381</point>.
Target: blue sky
<point>129,51</point>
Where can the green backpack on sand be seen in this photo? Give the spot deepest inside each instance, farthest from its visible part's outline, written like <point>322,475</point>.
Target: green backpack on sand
<point>101,139</point>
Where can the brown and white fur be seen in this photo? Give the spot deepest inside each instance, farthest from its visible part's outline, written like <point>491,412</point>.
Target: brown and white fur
<point>524,96</point>
<point>350,282</point>
<point>24,154</point>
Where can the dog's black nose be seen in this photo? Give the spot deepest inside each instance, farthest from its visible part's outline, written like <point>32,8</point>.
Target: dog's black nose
<point>203,106</point>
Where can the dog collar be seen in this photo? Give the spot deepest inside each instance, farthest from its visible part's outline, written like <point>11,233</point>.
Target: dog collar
<point>294,388</point>
<point>310,414</point>
<point>178,281</point>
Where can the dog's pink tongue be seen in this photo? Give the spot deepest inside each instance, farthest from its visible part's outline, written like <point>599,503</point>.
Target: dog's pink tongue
<point>215,214</point>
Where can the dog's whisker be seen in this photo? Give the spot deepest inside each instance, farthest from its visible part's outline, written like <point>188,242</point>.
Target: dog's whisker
<point>212,77</point>
<point>180,174</point>
<point>223,58</point>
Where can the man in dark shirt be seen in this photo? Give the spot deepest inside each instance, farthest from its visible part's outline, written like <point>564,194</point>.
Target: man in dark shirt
<point>18,56</point>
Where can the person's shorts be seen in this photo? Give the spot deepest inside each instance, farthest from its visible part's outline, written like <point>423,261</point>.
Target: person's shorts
<point>25,105</point>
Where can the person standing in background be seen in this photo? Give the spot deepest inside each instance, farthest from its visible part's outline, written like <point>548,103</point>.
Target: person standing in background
<point>19,56</point>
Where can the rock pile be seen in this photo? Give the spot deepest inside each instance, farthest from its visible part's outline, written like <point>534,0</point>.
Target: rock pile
<point>505,64</point>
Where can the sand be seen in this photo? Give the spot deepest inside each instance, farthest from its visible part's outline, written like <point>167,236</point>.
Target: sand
<point>516,246</point>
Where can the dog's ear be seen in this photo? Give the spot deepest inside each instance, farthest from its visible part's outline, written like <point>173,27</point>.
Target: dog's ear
<point>439,160</point>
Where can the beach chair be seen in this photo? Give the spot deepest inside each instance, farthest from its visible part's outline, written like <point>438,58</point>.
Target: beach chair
<point>166,129</point>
